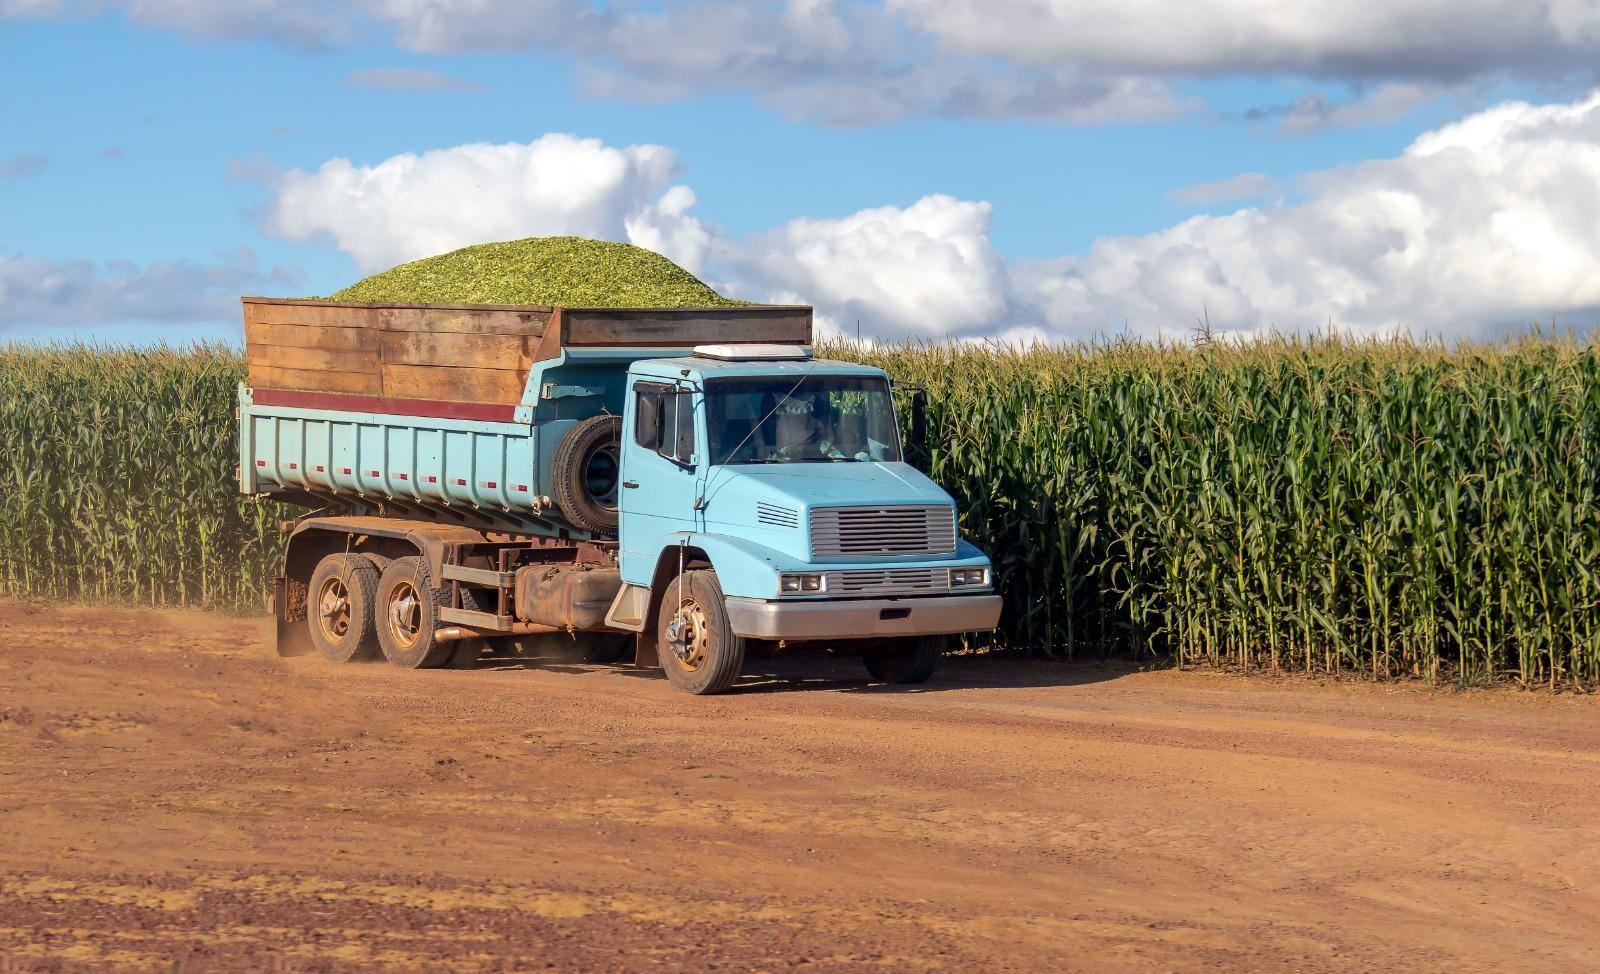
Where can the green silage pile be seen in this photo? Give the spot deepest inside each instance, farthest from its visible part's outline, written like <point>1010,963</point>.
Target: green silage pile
<point>571,272</point>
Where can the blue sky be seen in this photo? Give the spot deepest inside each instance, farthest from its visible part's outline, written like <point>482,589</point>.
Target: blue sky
<point>140,141</point>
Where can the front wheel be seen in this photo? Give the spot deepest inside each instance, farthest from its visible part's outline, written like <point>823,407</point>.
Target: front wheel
<point>911,659</point>
<point>694,641</point>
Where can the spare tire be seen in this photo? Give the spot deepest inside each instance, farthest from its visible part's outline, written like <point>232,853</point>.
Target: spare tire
<point>587,473</point>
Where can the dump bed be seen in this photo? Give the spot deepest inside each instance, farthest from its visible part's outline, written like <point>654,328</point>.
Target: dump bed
<point>449,411</point>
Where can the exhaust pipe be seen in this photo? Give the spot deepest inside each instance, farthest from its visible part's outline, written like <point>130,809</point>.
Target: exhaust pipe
<point>450,634</point>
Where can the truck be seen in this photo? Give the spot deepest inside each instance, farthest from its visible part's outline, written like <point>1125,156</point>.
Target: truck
<point>691,484</point>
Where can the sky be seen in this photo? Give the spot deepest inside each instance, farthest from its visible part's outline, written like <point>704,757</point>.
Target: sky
<point>1019,170</point>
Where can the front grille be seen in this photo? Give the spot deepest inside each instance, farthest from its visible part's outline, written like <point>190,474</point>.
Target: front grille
<point>888,581</point>
<point>868,531</point>
<point>782,517</point>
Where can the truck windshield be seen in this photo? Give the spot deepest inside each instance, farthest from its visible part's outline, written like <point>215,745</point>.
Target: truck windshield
<point>825,418</point>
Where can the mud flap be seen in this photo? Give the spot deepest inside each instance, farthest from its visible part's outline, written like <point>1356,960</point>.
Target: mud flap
<point>644,649</point>
<point>292,637</point>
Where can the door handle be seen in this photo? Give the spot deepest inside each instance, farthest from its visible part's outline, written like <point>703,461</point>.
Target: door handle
<point>629,483</point>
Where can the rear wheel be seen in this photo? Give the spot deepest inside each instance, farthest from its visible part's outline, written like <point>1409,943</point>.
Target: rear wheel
<point>909,660</point>
<point>694,641</point>
<point>342,601</point>
<point>408,616</point>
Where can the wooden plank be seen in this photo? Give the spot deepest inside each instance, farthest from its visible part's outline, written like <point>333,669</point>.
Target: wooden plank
<point>323,316</point>
<point>318,359</point>
<point>452,384</point>
<point>589,326</point>
<point>312,336</point>
<point>454,321</point>
<point>465,351</point>
<point>269,377</point>
<point>301,399</point>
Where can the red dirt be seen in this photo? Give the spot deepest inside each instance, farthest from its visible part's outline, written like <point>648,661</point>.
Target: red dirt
<point>178,798</point>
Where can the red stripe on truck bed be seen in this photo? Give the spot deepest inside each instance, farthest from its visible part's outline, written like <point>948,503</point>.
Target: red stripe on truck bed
<point>436,408</point>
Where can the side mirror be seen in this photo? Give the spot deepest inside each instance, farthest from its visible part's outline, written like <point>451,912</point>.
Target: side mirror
<point>683,439</point>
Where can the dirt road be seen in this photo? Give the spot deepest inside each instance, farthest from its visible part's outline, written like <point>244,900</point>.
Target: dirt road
<point>178,798</point>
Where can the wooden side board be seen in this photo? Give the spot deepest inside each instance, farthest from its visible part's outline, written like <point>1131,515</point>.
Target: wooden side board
<point>686,326</point>
<point>470,354</point>
<point>405,352</point>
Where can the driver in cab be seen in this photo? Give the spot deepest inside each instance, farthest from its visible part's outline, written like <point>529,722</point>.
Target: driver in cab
<point>803,434</point>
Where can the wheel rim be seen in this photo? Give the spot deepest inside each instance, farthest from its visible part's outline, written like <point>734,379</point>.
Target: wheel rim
<point>333,609</point>
<point>688,636</point>
<point>405,614</point>
<point>600,476</point>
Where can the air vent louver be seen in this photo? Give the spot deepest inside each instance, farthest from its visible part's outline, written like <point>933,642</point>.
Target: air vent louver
<point>868,531</point>
<point>779,517</point>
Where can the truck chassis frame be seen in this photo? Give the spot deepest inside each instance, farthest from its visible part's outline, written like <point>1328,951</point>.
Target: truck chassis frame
<point>482,561</point>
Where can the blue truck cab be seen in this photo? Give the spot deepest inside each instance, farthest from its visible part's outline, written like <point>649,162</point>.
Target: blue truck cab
<point>710,499</point>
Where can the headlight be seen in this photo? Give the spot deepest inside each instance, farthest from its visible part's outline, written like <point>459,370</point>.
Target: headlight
<point>969,577</point>
<point>801,582</point>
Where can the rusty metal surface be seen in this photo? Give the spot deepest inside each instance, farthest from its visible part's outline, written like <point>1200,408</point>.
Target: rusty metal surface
<point>292,638</point>
<point>392,527</point>
<point>569,596</point>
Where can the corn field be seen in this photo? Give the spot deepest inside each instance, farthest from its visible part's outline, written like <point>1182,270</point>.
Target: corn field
<point>1390,509</point>
<point>1386,508</point>
<point>117,479</point>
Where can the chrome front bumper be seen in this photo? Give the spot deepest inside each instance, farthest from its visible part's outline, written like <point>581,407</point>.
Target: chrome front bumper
<point>862,618</point>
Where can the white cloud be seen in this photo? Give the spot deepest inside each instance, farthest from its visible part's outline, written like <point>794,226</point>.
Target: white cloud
<point>1435,39</point>
<point>855,62</point>
<point>1315,111</point>
<point>36,292</point>
<point>923,270</point>
<point>1491,221</point>
<point>1488,222</point>
<point>667,227</point>
<point>411,205</point>
<point>453,26</point>
<point>409,79</point>
<point>838,62</point>
<point>1245,186</point>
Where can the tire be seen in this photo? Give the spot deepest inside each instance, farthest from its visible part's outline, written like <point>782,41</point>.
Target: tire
<point>909,660</point>
<point>587,472</point>
<point>341,606</point>
<point>380,562</point>
<point>407,616</point>
<point>715,656</point>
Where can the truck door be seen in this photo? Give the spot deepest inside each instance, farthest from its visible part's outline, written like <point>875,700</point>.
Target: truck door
<point>660,460</point>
